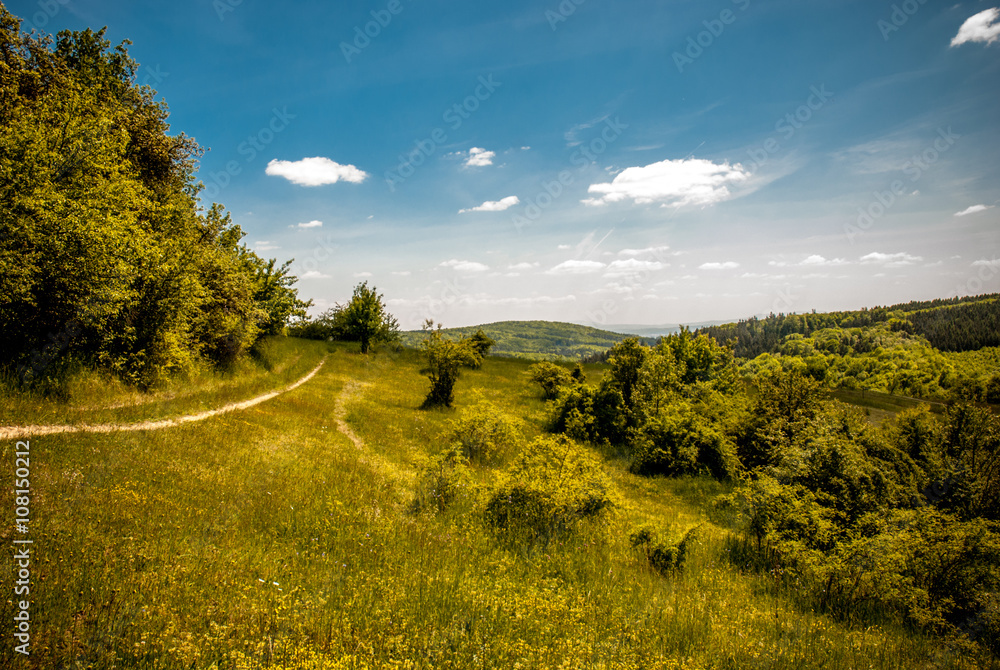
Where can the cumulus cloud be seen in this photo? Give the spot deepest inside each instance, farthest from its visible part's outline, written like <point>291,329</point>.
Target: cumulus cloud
<point>310,224</point>
<point>632,266</point>
<point>890,260</point>
<point>974,209</point>
<point>817,261</point>
<point>574,267</point>
<point>689,181</point>
<point>314,274</point>
<point>995,263</point>
<point>981,27</point>
<point>726,265</point>
<point>464,266</point>
<point>518,267</point>
<point>315,171</point>
<point>494,205</point>
<point>479,157</point>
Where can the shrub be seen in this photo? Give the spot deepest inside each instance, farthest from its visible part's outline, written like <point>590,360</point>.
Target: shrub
<point>550,377</point>
<point>484,434</point>
<point>442,482</point>
<point>553,485</point>
<point>665,557</point>
<point>679,441</point>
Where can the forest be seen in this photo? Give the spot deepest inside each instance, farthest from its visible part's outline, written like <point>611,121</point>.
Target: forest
<point>108,257</point>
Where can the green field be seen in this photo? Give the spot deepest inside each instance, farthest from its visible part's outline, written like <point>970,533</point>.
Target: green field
<point>268,538</point>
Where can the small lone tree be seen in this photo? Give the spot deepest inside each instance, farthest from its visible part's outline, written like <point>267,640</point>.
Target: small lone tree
<point>364,319</point>
<point>481,343</point>
<point>444,358</point>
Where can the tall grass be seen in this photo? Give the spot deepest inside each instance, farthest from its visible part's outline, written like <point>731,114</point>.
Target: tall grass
<point>266,538</point>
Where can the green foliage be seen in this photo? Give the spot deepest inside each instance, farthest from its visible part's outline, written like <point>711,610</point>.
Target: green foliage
<point>364,319</point>
<point>678,441</point>
<point>105,256</point>
<point>480,343</point>
<point>446,479</point>
<point>484,434</point>
<point>551,377</point>
<point>445,358</point>
<point>551,487</point>
<point>665,557</point>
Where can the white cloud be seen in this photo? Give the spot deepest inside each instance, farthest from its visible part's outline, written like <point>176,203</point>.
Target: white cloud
<point>995,263</point>
<point>632,266</point>
<point>981,27</point>
<point>265,245</point>
<point>464,266</point>
<point>650,251</point>
<point>494,205</point>
<point>315,274</point>
<point>522,266</point>
<point>479,157</point>
<point>816,260</point>
<point>362,275</point>
<point>891,260</point>
<point>727,265</point>
<point>310,224</point>
<point>574,267</point>
<point>973,210</point>
<point>402,273</point>
<point>692,181</point>
<point>315,171</point>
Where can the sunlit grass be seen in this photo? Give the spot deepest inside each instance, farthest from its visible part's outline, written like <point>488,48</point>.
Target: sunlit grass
<point>266,538</point>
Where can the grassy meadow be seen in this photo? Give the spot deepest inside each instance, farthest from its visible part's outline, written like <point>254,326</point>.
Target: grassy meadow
<point>268,538</point>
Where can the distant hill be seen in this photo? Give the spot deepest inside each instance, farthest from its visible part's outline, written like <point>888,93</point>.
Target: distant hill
<point>550,340</point>
<point>952,324</point>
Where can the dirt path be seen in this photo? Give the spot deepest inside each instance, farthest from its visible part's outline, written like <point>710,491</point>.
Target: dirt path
<point>13,432</point>
<point>351,389</point>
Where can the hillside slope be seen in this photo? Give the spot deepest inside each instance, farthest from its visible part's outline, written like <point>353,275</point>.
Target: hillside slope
<point>535,339</point>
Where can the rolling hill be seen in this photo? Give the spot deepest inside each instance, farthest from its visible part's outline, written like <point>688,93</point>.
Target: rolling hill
<point>550,340</point>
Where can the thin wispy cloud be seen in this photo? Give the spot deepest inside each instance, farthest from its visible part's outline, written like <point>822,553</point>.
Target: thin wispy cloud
<point>315,171</point>
<point>724,265</point>
<point>464,266</point>
<point>974,209</point>
<point>314,274</point>
<point>689,181</point>
<point>494,205</point>
<point>310,224</point>
<point>981,27</point>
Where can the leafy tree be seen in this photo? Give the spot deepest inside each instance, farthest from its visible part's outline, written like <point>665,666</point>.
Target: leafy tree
<point>481,343</point>
<point>445,359</point>
<point>550,377</point>
<point>365,319</point>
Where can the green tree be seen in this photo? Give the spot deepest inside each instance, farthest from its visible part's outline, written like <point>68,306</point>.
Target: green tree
<point>445,359</point>
<point>365,319</point>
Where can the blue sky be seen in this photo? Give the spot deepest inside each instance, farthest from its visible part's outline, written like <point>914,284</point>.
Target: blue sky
<point>590,161</point>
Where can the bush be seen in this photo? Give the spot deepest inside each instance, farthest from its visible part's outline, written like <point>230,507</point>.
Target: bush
<point>484,434</point>
<point>550,377</point>
<point>551,487</point>
<point>665,557</point>
<point>679,441</point>
<point>442,482</point>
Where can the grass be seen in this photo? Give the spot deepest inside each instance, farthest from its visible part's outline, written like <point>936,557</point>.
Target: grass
<point>266,538</point>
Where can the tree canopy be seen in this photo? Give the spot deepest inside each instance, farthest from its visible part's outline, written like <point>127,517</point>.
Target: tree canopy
<point>106,253</point>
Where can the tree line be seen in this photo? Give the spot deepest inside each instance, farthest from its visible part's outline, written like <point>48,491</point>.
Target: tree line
<point>107,256</point>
